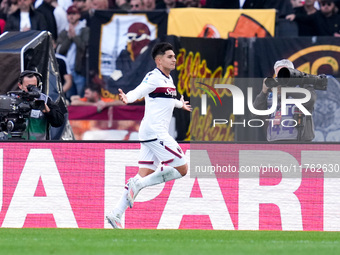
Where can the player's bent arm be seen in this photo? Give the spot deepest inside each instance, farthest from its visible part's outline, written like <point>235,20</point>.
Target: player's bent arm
<point>139,92</point>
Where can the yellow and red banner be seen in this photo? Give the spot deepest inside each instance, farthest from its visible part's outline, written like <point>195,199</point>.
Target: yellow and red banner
<point>221,23</point>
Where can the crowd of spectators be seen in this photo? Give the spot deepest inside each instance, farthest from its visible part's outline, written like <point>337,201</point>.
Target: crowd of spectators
<point>69,21</point>
<point>313,22</point>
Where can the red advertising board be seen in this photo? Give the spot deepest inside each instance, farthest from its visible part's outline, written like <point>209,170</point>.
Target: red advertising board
<point>230,186</point>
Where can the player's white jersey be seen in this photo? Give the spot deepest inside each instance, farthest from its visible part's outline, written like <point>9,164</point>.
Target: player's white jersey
<point>160,93</point>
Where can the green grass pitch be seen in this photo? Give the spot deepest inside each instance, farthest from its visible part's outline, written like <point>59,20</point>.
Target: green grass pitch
<point>175,242</point>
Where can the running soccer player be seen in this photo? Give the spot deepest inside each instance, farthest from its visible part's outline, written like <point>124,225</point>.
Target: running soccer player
<point>161,158</point>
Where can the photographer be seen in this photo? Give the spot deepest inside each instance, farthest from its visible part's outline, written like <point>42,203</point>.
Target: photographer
<point>304,126</point>
<point>40,119</point>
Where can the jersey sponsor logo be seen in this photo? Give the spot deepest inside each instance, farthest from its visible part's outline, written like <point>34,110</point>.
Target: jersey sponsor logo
<point>164,92</point>
<point>171,92</point>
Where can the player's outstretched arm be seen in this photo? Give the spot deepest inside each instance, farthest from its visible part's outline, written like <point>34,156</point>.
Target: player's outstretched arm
<point>186,105</point>
<point>122,96</point>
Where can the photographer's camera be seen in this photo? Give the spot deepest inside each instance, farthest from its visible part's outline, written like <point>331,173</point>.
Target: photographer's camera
<point>288,77</point>
<point>292,78</point>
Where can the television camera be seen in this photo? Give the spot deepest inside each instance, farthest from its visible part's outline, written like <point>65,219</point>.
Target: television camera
<point>15,109</point>
<point>288,77</point>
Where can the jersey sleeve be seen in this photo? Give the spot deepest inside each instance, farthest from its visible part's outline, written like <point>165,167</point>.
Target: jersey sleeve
<point>148,85</point>
<point>178,104</point>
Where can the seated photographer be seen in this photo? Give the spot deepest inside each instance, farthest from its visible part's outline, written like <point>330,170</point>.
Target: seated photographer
<point>302,129</point>
<point>48,113</point>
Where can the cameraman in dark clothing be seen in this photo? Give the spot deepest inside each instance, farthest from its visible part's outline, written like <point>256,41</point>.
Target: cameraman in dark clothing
<point>302,129</point>
<point>40,120</point>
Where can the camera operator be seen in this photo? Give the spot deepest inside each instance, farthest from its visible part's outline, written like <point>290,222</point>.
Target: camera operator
<point>49,114</point>
<point>304,126</point>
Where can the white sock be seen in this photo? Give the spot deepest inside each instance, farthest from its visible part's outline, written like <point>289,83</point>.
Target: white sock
<point>122,204</point>
<point>137,177</point>
<point>162,174</point>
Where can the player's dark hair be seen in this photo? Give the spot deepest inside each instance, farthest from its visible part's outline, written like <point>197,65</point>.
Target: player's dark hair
<point>161,48</point>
